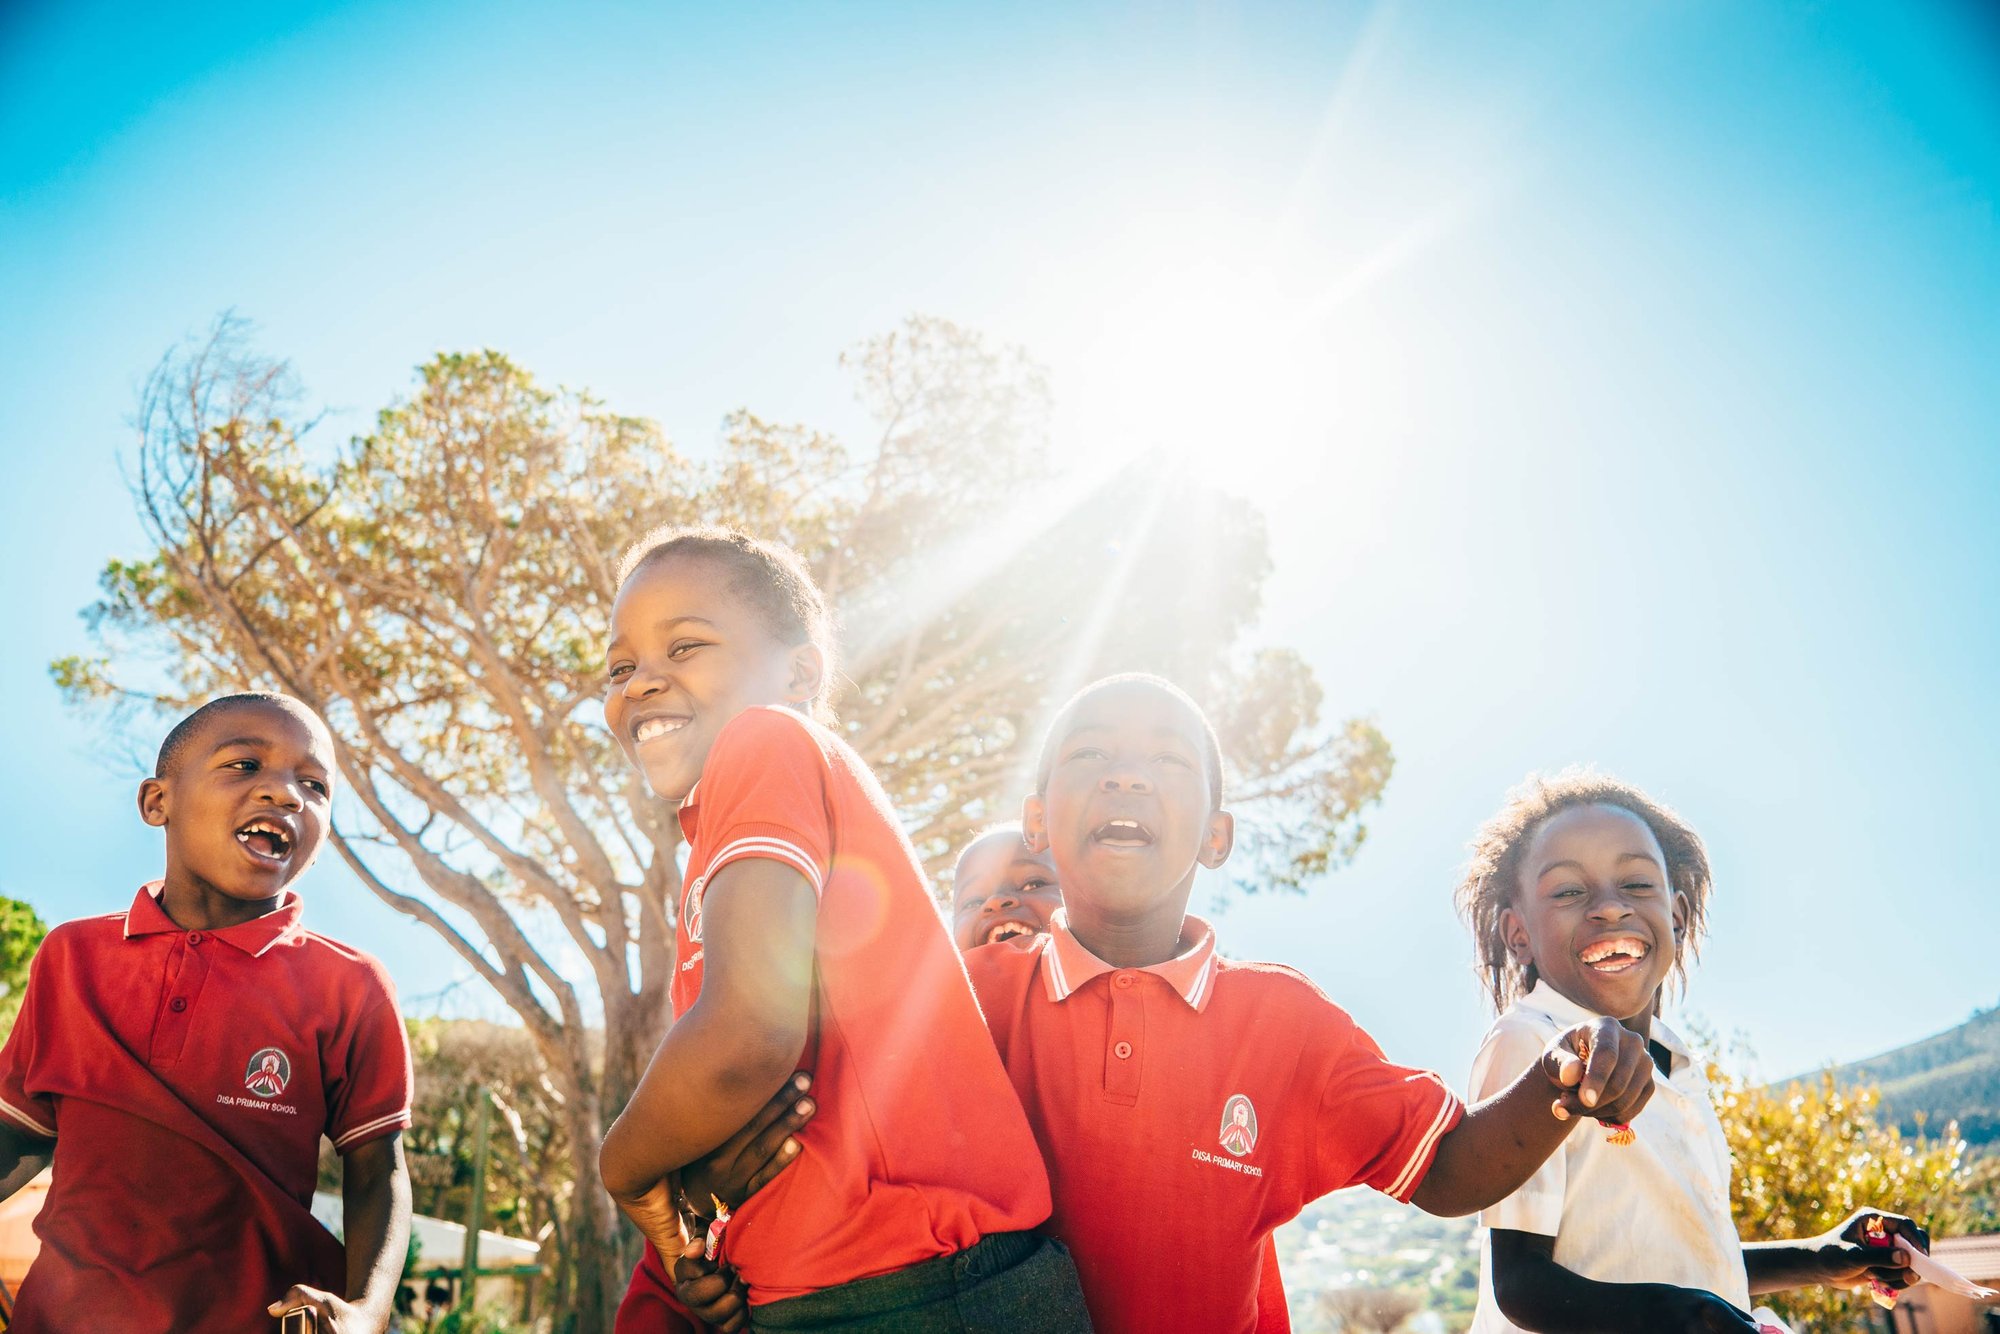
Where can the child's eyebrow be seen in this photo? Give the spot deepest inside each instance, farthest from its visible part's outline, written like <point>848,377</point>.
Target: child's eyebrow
<point>254,742</point>
<point>668,624</point>
<point>1578,866</point>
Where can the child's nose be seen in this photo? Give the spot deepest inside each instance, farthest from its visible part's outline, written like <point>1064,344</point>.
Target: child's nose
<point>284,794</point>
<point>1610,908</point>
<point>644,682</point>
<point>1127,780</point>
<point>1002,899</point>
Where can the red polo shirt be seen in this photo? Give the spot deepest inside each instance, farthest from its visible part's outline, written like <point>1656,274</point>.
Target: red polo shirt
<point>187,1077</point>
<point>1187,1109</point>
<point>920,1147</point>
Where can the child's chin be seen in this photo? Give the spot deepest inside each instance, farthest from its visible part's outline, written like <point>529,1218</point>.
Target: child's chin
<point>1620,995</point>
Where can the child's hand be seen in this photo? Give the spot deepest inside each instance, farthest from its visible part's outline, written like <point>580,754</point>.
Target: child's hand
<point>1602,1070</point>
<point>336,1316</point>
<point>1844,1257</point>
<point>1692,1311</point>
<point>656,1217</point>
<point>745,1163</point>
<point>710,1291</point>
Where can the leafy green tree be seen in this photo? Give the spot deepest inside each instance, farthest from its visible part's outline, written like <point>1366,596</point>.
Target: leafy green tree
<point>1810,1154</point>
<point>439,590</point>
<point>21,933</point>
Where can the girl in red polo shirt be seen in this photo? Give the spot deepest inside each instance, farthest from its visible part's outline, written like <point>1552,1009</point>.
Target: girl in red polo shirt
<point>807,941</point>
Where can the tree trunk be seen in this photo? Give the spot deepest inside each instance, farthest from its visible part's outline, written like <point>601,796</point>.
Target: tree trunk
<point>601,1264</point>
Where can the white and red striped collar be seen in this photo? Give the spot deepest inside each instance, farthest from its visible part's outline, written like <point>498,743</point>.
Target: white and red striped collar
<point>1067,965</point>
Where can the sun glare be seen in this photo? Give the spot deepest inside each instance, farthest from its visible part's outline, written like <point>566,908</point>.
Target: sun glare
<point>1209,352</point>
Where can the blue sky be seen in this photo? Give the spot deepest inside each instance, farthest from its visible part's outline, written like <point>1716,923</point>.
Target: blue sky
<point>1618,385</point>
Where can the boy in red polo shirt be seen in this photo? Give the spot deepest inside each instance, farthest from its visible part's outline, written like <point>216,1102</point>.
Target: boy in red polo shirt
<point>1187,1104</point>
<point>179,1062</point>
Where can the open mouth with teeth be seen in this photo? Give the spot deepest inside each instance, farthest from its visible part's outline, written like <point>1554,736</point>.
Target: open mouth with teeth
<point>266,840</point>
<point>1007,930</point>
<point>1122,834</point>
<point>650,729</point>
<point>1615,956</point>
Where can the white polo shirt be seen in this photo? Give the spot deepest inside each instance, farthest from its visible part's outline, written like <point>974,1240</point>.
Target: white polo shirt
<point>1654,1211</point>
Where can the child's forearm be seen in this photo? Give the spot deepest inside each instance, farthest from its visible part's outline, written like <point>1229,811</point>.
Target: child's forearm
<point>1489,1155</point>
<point>741,1039</point>
<point>708,1078</point>
<point>22,1158</point>
<point>1536,1293</point>
<point>1774,1266</point>
<point>375,1212</point>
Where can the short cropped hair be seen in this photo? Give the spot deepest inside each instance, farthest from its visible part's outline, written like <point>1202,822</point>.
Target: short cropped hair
<point>769,575</point>
<point>173,749</point>
<point>1492,876</point>
<point>1211,748</point>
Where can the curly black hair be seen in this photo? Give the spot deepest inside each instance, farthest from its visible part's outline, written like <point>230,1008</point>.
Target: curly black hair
<point>1492,876</point>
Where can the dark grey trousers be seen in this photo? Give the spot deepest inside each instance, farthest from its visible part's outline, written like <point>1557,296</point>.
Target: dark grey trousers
<point>1003,1283</point>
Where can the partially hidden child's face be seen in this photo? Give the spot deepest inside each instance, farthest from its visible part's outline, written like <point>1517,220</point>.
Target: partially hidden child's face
<point>1594,912</point>
<point>1002,889</point>
<point>246,804</point>
<point>1127,812</point>
<point>688,653</point>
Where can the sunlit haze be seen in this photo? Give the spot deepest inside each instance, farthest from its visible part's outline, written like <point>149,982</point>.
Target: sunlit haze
<point>1616,383</point>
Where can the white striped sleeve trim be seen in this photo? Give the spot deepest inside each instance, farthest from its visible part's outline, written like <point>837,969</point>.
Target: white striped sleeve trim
<point>775,849</point>
<point>1411,1169</point>
<point>370,1127</point>
<point>25,1121</point>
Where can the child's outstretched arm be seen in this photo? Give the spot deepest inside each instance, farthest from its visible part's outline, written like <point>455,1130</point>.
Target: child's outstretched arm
<point>1536,1293</point>
<point>1598,1069</point>
<point>740,1040</point>
<point>22,1157</point>
<point>1839,1257</point>
<point>375,1219</point>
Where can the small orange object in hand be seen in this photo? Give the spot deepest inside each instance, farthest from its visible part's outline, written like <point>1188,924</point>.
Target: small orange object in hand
<point>1875,1232</point>
<point>713,1243</point>
<point>1616,1132</point>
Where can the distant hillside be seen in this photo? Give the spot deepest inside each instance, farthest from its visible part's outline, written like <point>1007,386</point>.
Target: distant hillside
<point>1954,1076</point>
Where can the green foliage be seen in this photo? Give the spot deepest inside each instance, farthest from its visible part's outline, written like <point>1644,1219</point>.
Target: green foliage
<point>1810,1154</point>
<point>1952,1076</point>
<point>21,932</point>
<point>484,1321</point>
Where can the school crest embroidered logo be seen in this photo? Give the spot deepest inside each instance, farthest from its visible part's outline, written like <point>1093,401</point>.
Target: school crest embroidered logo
<point>691,909</point>
<point>1239,1126</point>
<point>268,1072</point>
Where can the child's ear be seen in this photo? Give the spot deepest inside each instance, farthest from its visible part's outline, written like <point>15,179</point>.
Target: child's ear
<point>153,802</point>
<point>1218,840</point>
<point>808,674</point>
<point>1035,823</point>
<point>1680,920</point>
<point>1515,932</point>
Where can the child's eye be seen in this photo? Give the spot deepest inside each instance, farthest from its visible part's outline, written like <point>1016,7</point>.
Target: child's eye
<point>619,671</point>
<point>682,649</point>
<point>1034,886</point>
<point>247,766</point>
<point>1170,757</point>
<point>1086,753</point>
<point>317,785</point>
<point>1644,886</point>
